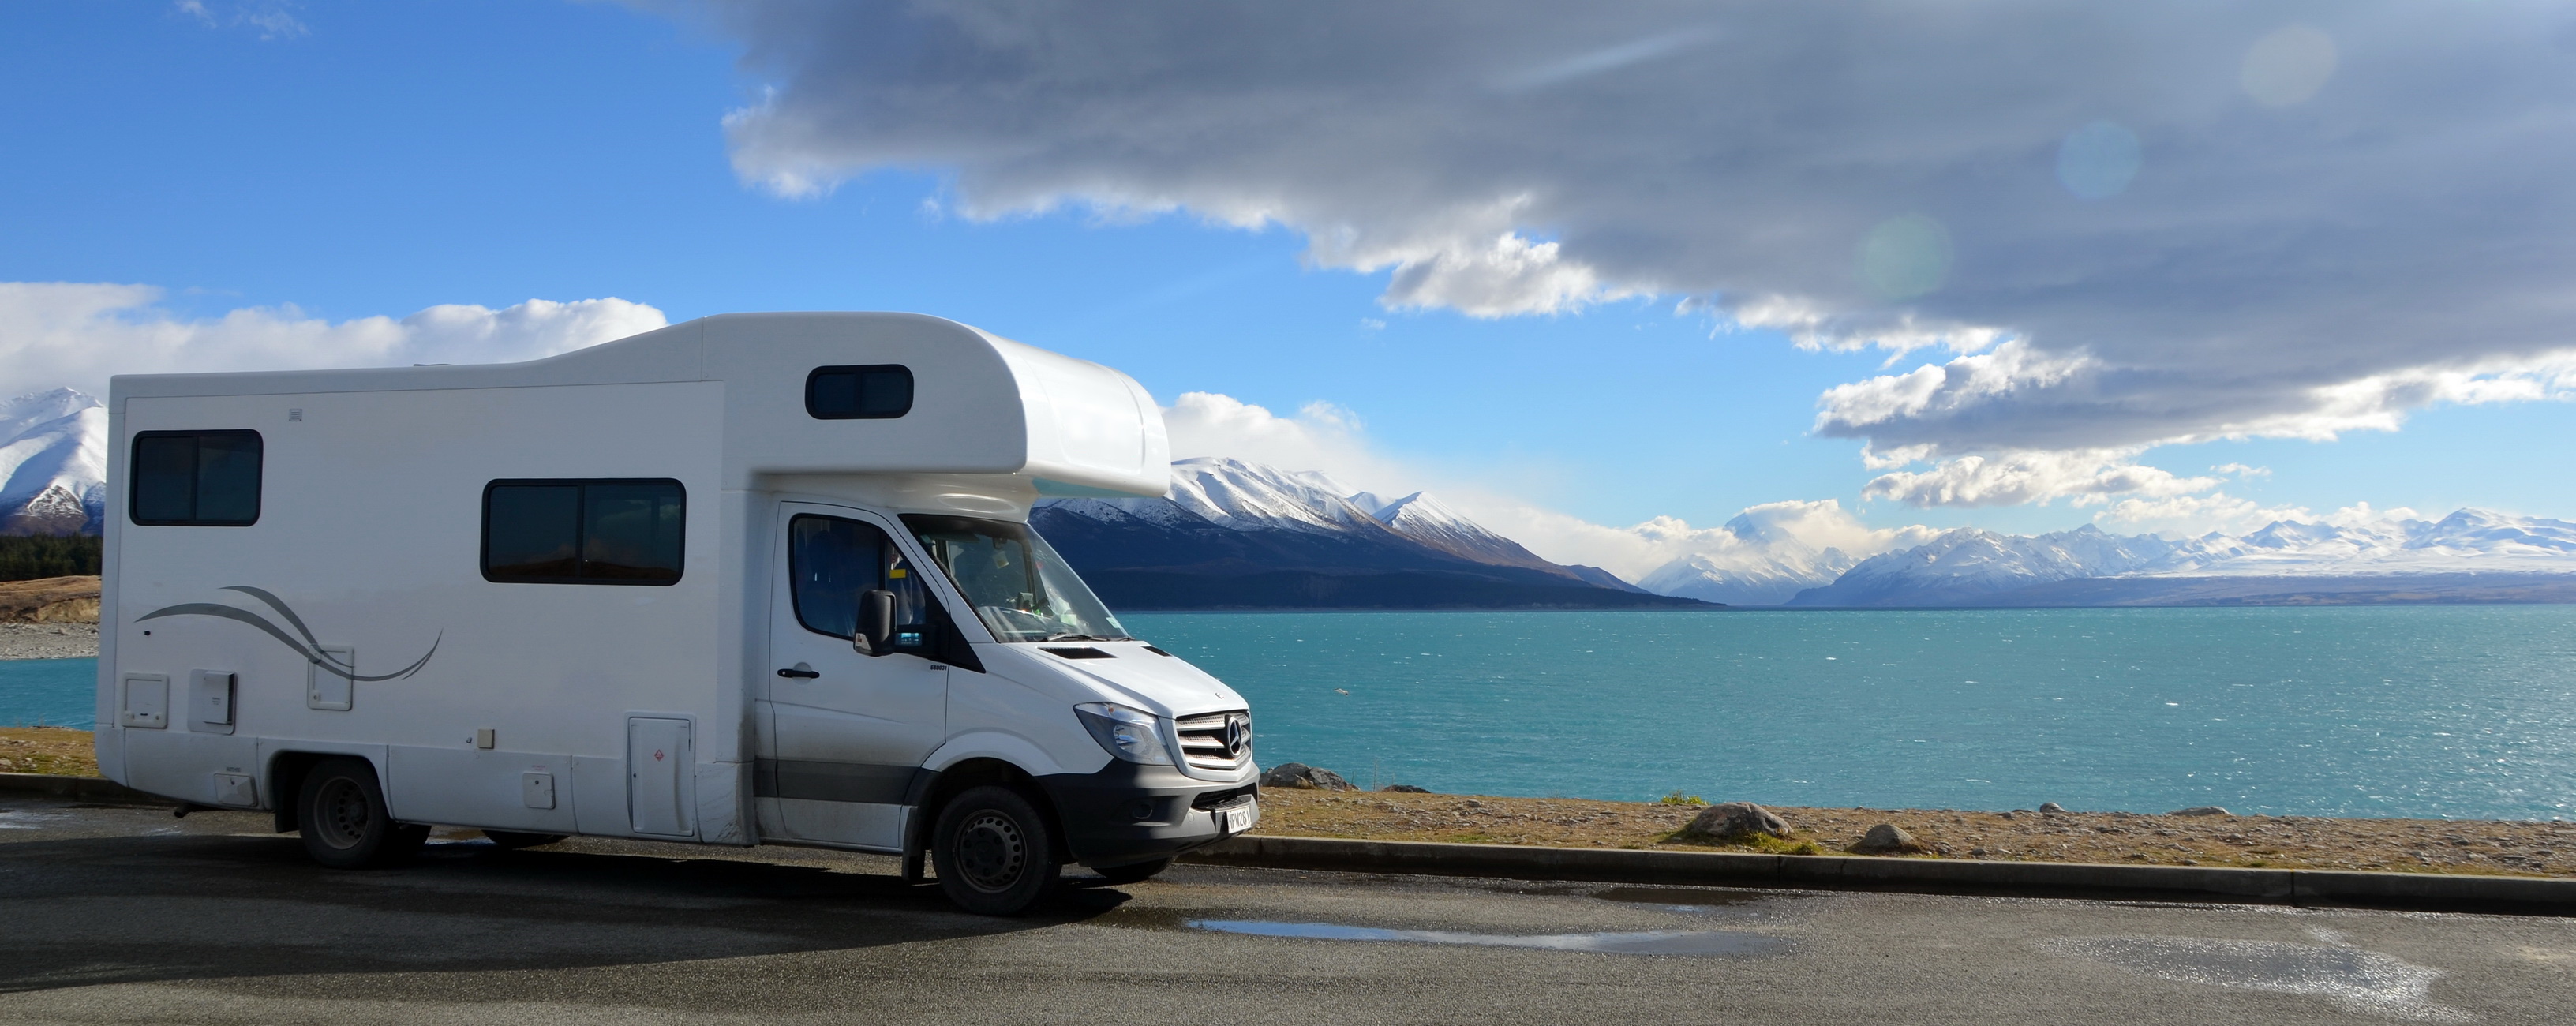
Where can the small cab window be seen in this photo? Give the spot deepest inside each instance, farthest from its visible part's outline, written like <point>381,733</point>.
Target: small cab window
<point>583,532</point>
<point>875,392</point>
<point>195,478</point>
<point>833,561</point>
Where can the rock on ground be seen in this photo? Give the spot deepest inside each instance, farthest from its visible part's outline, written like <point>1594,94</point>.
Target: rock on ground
<point>2051,807</point>
<point>1405,789</point>
<point>1736,819</point>
<point>1885,838</point>
<point>2201,810</point>
<point>1304,777</point>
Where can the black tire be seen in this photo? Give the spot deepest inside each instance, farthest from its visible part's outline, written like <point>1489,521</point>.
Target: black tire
<point>995,855</point>
<point>341,813</point>
<point>512,840</point>
<point>1133,872</point>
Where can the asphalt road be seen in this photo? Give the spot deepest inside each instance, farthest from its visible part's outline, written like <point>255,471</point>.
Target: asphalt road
<point>127,915</point>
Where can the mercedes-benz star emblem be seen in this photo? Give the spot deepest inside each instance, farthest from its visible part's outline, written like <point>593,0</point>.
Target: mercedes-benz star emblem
<point>1238,734</point>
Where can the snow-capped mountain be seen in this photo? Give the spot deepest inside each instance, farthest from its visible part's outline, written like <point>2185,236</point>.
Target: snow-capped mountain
<point>2471,555</point>
<point>1767,565</point>
<point>1965,564</point>
<point>53,463</point>
<point>1237,534</point>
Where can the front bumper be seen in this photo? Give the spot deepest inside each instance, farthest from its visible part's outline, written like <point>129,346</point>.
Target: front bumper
<point>1127,813</point>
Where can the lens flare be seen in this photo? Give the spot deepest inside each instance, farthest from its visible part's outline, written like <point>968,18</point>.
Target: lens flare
<point>2098,160</point>
<point>2287,67</point>
<point>1905,257</point>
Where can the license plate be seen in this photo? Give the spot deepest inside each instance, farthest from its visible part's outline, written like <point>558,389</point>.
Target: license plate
<point>1241,817</point>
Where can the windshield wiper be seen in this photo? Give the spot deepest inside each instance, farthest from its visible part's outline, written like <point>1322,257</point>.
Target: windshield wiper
<point>1082,637</point>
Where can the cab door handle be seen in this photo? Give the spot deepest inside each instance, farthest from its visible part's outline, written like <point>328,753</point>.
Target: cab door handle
<point>799,671</point>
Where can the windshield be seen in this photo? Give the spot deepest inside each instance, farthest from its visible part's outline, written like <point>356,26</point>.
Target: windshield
<point>1021,589</point>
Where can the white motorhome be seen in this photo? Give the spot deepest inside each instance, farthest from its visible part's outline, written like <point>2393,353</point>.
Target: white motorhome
<point>751,579</point>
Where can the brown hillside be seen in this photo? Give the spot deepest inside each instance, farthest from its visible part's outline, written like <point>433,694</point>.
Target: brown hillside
<point>50,600</point>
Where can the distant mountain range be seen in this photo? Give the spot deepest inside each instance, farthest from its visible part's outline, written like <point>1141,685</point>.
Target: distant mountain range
<point>1237,535</point>
<point>53,463</point>
<point>2472,555</point>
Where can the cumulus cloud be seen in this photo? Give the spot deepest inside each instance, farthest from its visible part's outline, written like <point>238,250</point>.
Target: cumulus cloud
<point>1319,436</point>
<point>2086,477</point>
<point>1323,437</point>
<point>2186,220</point>
<point>79,334</point>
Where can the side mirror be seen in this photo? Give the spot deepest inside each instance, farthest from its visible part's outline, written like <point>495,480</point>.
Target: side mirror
<point>875,636</point>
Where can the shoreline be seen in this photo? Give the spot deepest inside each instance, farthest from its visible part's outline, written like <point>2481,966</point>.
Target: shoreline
<point>48,641</point>
<point>2544,848</point>
<point>2537,848</point>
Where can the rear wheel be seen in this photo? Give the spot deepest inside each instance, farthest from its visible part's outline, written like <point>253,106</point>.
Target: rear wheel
<point>341,813</point>
<point>512,840</point>
<point>994,853</point>
<point>1133,872</point>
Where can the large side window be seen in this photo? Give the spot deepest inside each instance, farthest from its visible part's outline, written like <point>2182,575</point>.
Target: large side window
<point>871,392</point>
<point>834,561</point>
<point>195,478</point>
<point>583,532</point>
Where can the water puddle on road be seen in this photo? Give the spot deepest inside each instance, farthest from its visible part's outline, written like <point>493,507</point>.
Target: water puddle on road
<point>17,819</point>
<point>1657,942</point>
<point>2363,981</point>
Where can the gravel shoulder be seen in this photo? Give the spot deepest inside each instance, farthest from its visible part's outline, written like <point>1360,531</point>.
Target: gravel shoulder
<point>48,641</point>
<point>2277,842</point>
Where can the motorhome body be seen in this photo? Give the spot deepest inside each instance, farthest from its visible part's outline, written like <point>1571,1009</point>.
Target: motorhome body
<point>625,591</point>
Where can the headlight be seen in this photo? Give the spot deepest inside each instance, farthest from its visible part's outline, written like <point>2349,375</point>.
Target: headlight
<point>1127,733</point>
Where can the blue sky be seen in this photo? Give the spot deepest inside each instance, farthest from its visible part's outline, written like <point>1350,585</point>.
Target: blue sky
<point>365,160</point>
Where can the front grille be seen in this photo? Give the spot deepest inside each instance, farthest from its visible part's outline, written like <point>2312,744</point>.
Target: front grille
<point>1216,741</point>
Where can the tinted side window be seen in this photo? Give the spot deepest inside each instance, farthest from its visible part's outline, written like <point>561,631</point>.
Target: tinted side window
<point>195,478</point>
<point>833,560</point>
<point>583,532</point>
<point>873,392</point>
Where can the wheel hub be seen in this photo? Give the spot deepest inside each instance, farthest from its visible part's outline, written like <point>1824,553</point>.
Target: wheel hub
<point>991,852</point>
<point>340,811</point>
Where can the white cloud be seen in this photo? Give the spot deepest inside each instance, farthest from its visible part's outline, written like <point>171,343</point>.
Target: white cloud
<point>2185,516</point>
<point>2087,477</point>
<point>77,334</point>
<point>2129,224</point>
<point>272,19</point>
<point>1324,437</point>
<point>2181,516</point>
<point>1320,436</point>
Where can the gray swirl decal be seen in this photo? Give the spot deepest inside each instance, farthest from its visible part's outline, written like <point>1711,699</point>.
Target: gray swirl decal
<point>310,647</point>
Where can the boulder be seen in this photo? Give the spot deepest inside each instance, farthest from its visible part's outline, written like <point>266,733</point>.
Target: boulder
<point>1303,777</point>
<point>1732,820</point>
<point>1405,789</point>
<point>1885,838</point>
<point>2051,807</point>
<point>2201,810</point>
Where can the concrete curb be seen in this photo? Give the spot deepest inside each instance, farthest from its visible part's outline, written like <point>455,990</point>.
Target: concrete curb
<point>78,789</point>
<point>2417,891</point>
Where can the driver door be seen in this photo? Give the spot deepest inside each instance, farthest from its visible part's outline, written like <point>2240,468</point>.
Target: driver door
<point>847,732</point>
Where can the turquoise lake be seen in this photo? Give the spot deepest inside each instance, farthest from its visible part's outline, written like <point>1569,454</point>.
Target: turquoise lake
<point>2443,711</point>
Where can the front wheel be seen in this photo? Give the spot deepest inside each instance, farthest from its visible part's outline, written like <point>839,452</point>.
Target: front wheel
<point>993,851</point>
<point>341,813</point>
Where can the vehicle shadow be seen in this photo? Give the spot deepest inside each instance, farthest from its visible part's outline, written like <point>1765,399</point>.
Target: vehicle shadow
<point>136,909</point>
